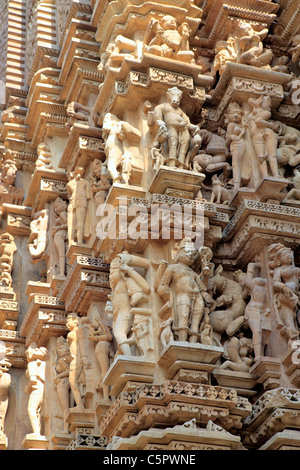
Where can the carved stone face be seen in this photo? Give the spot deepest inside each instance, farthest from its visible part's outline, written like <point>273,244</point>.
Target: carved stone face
<point>174,96</point>
<point>72,322</point>
<point>285,257</point>
<point>186,254</point>
<point>169,22</point>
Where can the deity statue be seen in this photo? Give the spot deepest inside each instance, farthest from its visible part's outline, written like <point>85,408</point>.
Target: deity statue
<point>36,371</point>
<point>61,381</point>
<point>285,283</point>
<point>182,288</point>
<point>235,139</point>
<point>164,38</point>
<point>227,312</point>
<point>80,194</point>
<point>7,250</point>
<point>60,232</point>
<point>101,182</point>
<point>38,238</point>
<point>129,289</point>
<point>121,147</point>
<point>81,370</point>
<point>264,139</point>
<point>175,130</point>
<point>257,312</point>
<point>5,384</point>
<point>101,334</point>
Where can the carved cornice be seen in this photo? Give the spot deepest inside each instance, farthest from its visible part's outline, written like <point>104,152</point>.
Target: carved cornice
<point>87,280</point>
<point>45,317</point>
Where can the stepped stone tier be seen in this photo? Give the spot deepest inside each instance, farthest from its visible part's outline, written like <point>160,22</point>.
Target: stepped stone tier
<point>150,225</point>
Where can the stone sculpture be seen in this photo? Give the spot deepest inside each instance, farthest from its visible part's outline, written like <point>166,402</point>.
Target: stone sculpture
<point>164,38</point>
<point>36,370</point>
<point>235,139</point>
<point>225,52</point>
<point>175,130</point>
<point>182,288</point>
<point>285,282</point>
<point>213,153</point>
<point>250,46</point>
<point>81,371</point>
<point>288,151</point>
<point>129,289</point>
<point>5,384</point>
<point>257,312</point>
<point>220,194</point>
<point>121,147</point>
<point>7,250</point>
<point>60,232</point>
<point>61,381</point>
<point>294,193</point>
<point>80,194</point>
<point>44,159</point>
<point>101,182</point>
<point>237,353</point>
<point>8,174</point>
<point>8,192</point>
<point>77,113</point>
<point>264,139</point>
<point>227,312</point>
<point>38,239</point>
<point>101,334</point>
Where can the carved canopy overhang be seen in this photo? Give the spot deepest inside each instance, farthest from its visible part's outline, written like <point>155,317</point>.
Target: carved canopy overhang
<point>67,11</point>
<point>87,281</point>
<point>240,82</point>
<point>84,144</point>
<point>45,186</point>
<point>43,84</point>
<point>124,17</point>
<point>140,407</point>
<point>287,22</point>
<point>14,347</point>
<point>83,79</point>
<point>78,43</point>
<point>254,226</point>
<point>220,16</point>
<point>17,218</point>
<point>273,412</point>
<point>9,311</point>
<point>42,114</point>
<point>45,317</point>
<point>148,80</point>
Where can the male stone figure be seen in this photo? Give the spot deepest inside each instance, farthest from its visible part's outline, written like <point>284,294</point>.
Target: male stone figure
<point>175,128</point>
<point>79,192</point>
<point>80,366</point>
<point>129,289</point>
<point>189,292</point>
<point>5,383</point>
<point>36,371</point>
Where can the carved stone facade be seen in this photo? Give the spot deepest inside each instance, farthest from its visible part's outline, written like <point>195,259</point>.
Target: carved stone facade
<point>150,225</point>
